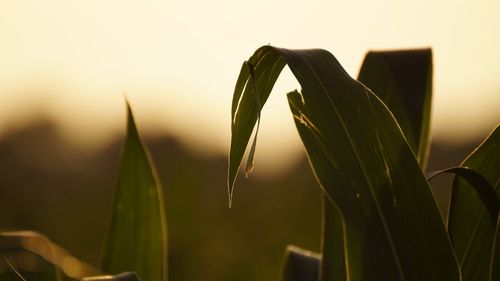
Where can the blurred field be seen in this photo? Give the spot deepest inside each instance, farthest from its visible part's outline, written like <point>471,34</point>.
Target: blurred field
<point>52,186</point>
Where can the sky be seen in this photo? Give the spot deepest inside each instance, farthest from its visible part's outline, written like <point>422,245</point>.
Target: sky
<point>177,63</point>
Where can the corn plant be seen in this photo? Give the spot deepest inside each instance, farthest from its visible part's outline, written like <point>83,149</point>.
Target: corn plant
<point>367,142</point>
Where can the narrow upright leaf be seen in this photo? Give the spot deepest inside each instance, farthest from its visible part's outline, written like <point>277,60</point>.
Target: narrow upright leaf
<point>137,238</point>
<point>470,225</point>
<point>363,163</point>
<point>403,81</point>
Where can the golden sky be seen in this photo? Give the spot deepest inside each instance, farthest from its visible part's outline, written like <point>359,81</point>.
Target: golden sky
<point>177,61</point>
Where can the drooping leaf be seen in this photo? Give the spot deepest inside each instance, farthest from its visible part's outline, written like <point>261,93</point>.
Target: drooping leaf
<point>137,238</point>
<point>362,162</point>
<point>245,111</point>
<point>14,243</point>
<point>403,81</point>
<point>470,225</point>
<point>251,154</point>
<point>300,265</point>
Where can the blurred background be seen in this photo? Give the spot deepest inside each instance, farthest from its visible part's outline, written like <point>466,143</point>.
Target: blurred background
<point>66,66</point>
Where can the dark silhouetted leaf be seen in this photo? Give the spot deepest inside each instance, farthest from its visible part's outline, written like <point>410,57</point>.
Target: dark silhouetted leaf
<point>483,188</point>
<point>403,81</point>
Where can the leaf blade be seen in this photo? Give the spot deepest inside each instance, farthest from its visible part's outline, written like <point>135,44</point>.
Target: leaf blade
<point>244,108</point>
<point>360,117</point>
<point>136,240</point>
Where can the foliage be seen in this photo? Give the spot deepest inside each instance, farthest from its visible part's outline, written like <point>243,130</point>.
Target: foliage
<point>368,147</point>
<point>367,141</point>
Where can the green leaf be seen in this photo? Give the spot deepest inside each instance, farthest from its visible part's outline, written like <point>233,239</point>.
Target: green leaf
<point>403,81</point>
<point>137,238</point>
<point>471,228</point>
<point>300,265</point>
<point>245,110</point>
<point>364,165</point>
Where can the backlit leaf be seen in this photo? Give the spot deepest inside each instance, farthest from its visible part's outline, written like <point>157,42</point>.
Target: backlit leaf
<point>137,239</point>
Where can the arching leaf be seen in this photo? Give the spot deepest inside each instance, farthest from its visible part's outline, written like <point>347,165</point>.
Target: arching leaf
<point>470,225</point>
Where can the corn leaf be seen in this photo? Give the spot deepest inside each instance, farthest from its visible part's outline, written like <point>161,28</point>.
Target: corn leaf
<point>14,243</point>
<point>470,225</point>
<point>403,81</point>
<point>363,164</point>
<point>246,105</point>
<point>137,240</point>
<point>300,265</point>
